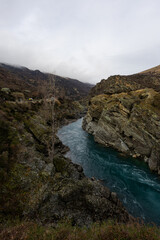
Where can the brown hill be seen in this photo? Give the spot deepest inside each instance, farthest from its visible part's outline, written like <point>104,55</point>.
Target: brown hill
<point>24,84</point>
<point>34,82</point>
<point>118,83</point>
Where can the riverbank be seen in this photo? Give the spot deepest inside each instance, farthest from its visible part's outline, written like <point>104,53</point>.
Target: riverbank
<point>135,185</point>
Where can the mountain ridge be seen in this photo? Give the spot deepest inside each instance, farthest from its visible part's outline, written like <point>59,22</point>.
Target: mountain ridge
<point>22,78</point>
<point>126,83</point>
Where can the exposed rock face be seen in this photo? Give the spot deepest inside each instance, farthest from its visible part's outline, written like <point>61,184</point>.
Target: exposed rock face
<point>128,122</point>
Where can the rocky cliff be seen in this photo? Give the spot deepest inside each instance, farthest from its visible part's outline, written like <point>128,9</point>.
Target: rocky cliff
<point>125,115</point>
<point>33,184</point>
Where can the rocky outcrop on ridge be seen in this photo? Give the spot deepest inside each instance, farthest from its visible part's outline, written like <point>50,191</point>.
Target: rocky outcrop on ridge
<point>118,83</point>
<point>127,119</point>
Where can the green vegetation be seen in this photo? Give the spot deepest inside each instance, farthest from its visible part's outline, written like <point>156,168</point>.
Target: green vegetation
<point>6,90</point>
<point>25,138</point>
<point>65,231</point>
<point>13,195</point>
<point>60,164</point>
<point>156,101</point>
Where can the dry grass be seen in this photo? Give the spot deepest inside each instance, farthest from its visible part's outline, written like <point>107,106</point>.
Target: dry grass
<point>154,70</point>
<point>64,231</point>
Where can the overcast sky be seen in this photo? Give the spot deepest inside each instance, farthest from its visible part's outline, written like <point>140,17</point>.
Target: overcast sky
<point>84,39</point>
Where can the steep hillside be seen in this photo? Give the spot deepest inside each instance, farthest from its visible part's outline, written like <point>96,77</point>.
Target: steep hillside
<point>37,182</point>
<point>125,114</point>
<point>42,188</point>
<point>34,83</point>
<point>20,83</point>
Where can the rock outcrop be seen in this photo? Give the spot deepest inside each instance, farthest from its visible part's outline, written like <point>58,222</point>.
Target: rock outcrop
<point>127,121</point>
<point>119,84</point>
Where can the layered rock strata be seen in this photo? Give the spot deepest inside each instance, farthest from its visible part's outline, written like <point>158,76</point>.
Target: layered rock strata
<point>128,122</point>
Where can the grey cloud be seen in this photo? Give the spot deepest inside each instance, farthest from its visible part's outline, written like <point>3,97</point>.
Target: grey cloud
<point>83,39</point>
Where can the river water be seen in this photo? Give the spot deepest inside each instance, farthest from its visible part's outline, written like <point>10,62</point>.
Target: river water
<point>136,186</point>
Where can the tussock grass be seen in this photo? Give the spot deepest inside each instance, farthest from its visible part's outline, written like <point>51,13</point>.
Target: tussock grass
<point>65,231</point>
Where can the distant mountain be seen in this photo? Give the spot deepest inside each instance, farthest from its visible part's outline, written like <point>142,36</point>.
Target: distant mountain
<point>19,78</point>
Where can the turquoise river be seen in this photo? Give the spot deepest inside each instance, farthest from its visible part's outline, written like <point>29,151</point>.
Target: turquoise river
<point>136,186</point>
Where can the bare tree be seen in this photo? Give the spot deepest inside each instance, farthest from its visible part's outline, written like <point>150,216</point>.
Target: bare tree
<point>52,92</point>
<point>47,91</point>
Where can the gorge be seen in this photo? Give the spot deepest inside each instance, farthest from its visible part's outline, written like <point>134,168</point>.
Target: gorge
<point>91,183</point>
